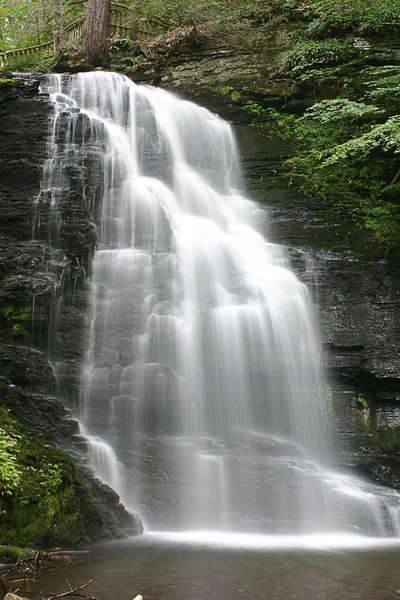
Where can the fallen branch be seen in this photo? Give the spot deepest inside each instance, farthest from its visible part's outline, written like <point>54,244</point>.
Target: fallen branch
<point>3,586</point>
<point>73,592</point>
<point>396,177</point>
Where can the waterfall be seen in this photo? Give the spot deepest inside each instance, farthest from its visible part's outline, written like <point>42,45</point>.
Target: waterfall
<point>201,394</point>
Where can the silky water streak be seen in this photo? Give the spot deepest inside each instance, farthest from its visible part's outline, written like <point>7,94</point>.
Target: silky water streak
<point>201,393</point>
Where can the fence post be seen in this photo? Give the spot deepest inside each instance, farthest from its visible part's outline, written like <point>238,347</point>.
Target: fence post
<point>57,41</point>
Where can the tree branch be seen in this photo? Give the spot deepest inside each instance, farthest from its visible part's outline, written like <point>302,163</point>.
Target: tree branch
<point>74,592</point>
<point>396,177</point>
<point>3,585</point>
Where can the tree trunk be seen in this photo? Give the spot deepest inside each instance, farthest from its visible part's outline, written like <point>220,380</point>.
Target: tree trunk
<point>96,31</point>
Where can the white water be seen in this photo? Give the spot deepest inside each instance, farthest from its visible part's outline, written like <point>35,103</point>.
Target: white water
<point>325,542</point>
<point>201,392</point>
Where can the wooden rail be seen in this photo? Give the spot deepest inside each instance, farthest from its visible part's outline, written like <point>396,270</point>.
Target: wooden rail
<point>39,50</point>
<point>120,28</point>
<point>72,33</point>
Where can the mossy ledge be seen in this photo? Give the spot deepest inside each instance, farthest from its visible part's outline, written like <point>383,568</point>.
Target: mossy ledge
<point>11,554</point>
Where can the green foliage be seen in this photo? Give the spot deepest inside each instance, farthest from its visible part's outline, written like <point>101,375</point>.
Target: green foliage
<point>119,44</point>
<point>235,96</point>
<point>10,474</point>
<point>384,138</point>
<point>44,500</point>
<point>22,64</point>
<point>361,400</point>
<point>328,53</point>
<point>270,122</point>
<point>341,110</point>
<point>7,81</point>
<point>30,22</point>
<point>345,157</point>
<point>385,91</point>
<point>221,90</point>
<point>15,323</point>
<point>354,175</point>
<point>10,554</point>
<point>255,109</point>
<point>359,17</point>
<point>329,122</point>
<point>174,13</point>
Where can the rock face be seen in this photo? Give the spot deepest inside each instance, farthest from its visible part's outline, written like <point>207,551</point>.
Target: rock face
<point>42,280</point>
<point>356,293</point>
<point>358,302</point>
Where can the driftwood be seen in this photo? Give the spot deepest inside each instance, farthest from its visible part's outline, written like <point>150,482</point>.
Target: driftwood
<point>76,592</point>
<point>11,596</point>
<point>73,592</point>
<point>396,177</point>
<point>3,586</point>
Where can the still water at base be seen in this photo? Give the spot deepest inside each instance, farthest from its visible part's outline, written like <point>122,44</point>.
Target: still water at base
<point>161,566</point>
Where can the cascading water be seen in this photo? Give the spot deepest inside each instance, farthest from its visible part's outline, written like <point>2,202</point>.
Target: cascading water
<point>201,393</point>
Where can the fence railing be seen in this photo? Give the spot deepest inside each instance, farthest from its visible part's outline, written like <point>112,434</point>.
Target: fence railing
<point>120,27</point>
<point>39,50</point>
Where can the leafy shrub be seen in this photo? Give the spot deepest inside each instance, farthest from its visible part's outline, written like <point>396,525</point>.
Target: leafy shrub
<point>43,501</point>
<point>119,44</point>
<point>15,323</point>
<point>345,156</point>
<point>383,138</point>
<point>10,474</point>
<point>360,17</point>
<point>330,122</point>
<point>355,176</point>
<point>341,110</point>
<point>385,92</point>
<point>270,122</point>
<point>306,55</point>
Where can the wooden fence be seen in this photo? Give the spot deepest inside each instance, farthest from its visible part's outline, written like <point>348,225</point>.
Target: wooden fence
<point>120,28</point>
<point>32,52</point>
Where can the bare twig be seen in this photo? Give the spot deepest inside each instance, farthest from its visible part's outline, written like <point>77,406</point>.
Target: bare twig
<point>3,586</point>
<point>396,177</point>
<point>74,592</point>
<point>68,583</point>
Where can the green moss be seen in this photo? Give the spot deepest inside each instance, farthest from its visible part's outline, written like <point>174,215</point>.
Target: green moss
<point>388,440</point>
<point>15,323</point>
<point>345,154</point>
<point>10,554</point>
<point>361,400</point>
<point>49,503</point>
<point>360,17</point>
<point>7,81</point>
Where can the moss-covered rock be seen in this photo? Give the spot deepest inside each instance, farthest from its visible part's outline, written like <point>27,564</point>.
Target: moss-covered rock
<point>47,502</point>
<point>10,554</point>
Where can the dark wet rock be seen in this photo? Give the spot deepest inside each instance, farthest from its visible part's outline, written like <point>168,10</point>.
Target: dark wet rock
<point>230,73</point>
<point>41,414</point>
<point>46,416</point>
<point>24,126</point>
<point>355,291</point>
<point>26,368</point>
<point>118,520</point>
<point>43,267</point>
<point>386,471</point>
